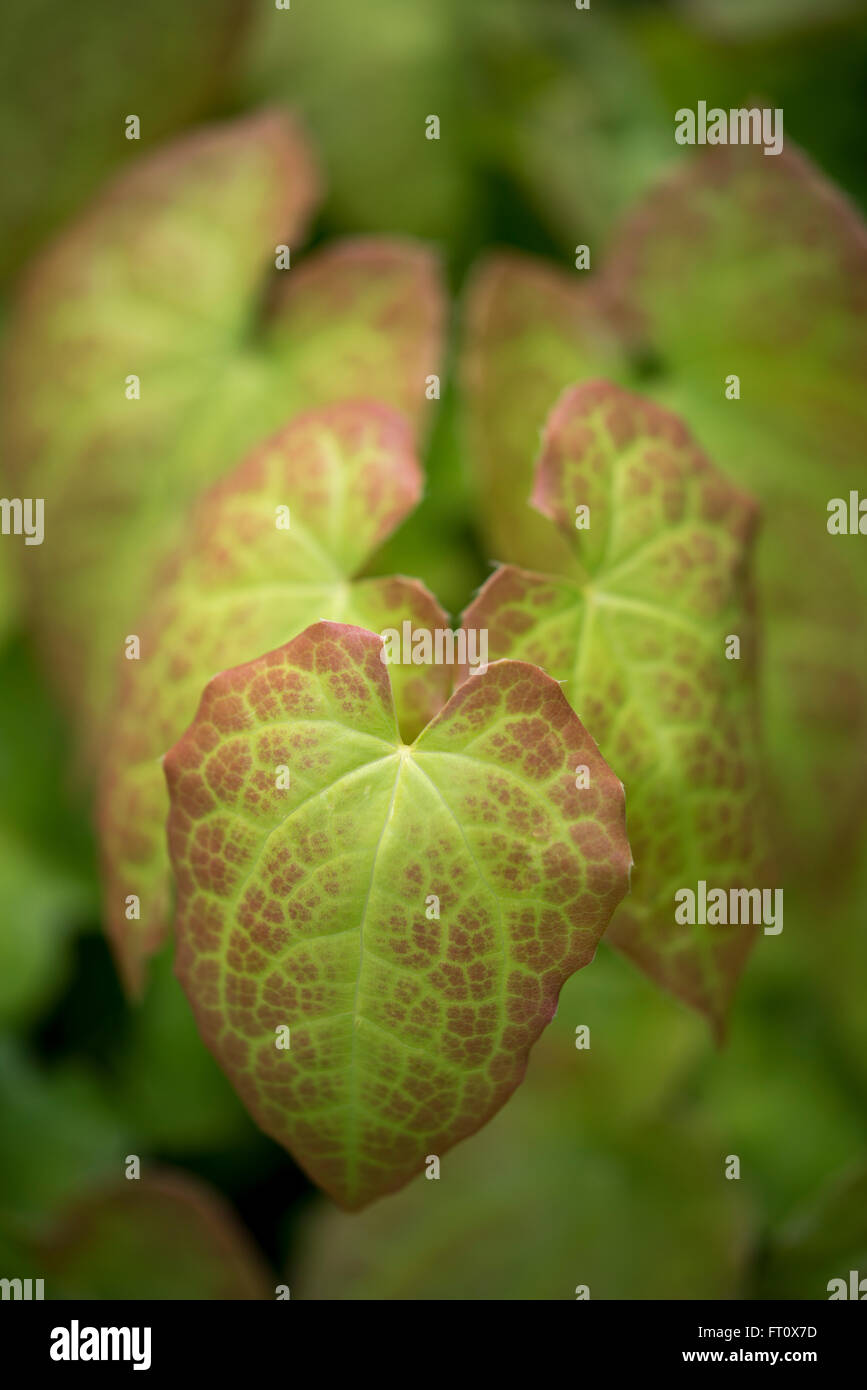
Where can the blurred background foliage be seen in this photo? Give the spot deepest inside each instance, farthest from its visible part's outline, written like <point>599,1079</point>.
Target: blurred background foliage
<point>607,1168</point>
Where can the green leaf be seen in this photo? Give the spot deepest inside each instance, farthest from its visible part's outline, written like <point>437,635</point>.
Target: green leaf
<point>313,908</point>
<point>531,1213</point>
<point>529,334</point>
<point>767,255</point>
<point>566,1186</point>
<point>640,644</point>
<point>778,309</point>
<point>241,585</point>
<point>171,277</point>
<point>740,264</point>
<point>163,1236</point>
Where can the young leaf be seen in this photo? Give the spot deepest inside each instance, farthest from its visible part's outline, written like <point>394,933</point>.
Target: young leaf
<point>526,1210</point>
<point>640,643</point>
<point>735,264</point>
<point>365,316</point>
<point>171,279</point>
<point>529,333</point>
<point>784,306</point>
<point>407,913</point>
<point>162,1236</point>
<point>771,264</point>
<point>270,550</point>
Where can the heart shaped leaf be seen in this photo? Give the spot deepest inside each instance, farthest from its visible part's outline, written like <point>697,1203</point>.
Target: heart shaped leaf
<point>526,1209</point>
<point>734,264</point>
<point>772,262</point>
<point>372,951</point>
<point>158,341</point>
<point>641,645</point>
<point>269,550</point>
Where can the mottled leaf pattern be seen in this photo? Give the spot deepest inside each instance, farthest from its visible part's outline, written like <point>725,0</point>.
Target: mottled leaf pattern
<point>240,586</point>
<point>157,279</point>
<point>736,263</point>
<point>732,266</point>
<point>364,316</point>
<point>171,277</point>
<point>310,908</point>
<point>802,302</point>
<point>547,1196</point>
<point>640,645</point>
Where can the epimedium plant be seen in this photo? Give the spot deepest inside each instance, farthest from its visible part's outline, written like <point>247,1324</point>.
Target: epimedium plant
<point>638,634</point>
<point>161,290</point>
<point>380,883</point>
<point>414,908</point>
<point>265,582</point>
<point>253,570</point>
<point>733,295</point>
